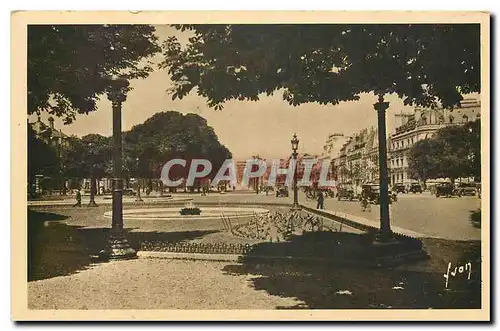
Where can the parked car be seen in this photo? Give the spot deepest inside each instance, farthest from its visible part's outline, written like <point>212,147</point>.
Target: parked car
<point>282,192</point>
<point>372,193</point>
<point>346,193</point>
<point>415,188</point>
<point>129,191</point>
<point>467,188</point>
<point>446,190</point>
<point>399,188</point>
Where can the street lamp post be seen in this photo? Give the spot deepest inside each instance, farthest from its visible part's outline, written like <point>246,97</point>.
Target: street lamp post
<point>92,202</point>
<point>385,233</point>
<point>138,198</point>
<point>295,146</point>
<point>118,246</point>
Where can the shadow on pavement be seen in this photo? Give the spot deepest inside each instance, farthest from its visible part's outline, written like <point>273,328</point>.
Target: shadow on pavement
<point>330,285</point>
<point>58,249</point>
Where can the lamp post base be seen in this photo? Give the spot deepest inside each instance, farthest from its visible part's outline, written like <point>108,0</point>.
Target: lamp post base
<point>118,247</point>
<point>92,204</point>
<point>295,207</point>
<point>385,238</point>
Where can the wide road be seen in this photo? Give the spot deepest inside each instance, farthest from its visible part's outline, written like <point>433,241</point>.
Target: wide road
<point>423,213</point>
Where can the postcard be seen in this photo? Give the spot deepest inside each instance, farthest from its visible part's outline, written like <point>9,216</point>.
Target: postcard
<point>228,166</point>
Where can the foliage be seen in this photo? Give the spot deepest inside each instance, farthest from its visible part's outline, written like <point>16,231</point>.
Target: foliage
<point>455,151</point>
<point>169,135</point>
<point>67,64</point>
<point>422,159</point>
<point>91,154</point>
<point>326,63</point>
<point>474,145</point>
<point>42,158</point>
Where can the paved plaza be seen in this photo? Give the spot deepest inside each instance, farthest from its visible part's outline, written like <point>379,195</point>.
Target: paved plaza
<point>68,279</point>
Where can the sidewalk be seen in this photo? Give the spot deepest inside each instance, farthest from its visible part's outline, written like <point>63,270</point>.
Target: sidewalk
<point>107,200</point>
<point>364,222</point>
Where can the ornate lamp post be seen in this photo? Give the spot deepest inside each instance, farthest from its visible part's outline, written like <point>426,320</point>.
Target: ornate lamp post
<point>295,146</point>
<point>138,198</point>
<point>92,178</point>
<point>385,234</point>
<point>118,246</point>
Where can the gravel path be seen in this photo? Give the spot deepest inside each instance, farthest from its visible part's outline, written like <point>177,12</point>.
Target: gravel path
<point>153,284</point>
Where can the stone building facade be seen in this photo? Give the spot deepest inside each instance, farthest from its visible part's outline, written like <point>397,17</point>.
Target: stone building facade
<point>423,123</point>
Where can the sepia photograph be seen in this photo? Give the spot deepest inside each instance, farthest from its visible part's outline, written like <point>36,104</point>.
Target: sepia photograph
<point>250,166</point>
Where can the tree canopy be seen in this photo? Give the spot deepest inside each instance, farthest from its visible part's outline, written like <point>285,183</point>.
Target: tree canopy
<point>453,152</point>
<point>42,158</point>
<point>168,135</point>
<point>326,63</point>
<point>423,159</point>
<point>67,64</point>
<point>87,156</point>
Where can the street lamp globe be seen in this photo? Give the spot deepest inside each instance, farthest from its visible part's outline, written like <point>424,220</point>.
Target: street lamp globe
<point>295,142</point>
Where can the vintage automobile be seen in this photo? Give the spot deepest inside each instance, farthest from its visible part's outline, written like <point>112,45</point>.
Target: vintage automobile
<point>415,188</point>
<point>372,193</point>
<point>399,188</point>
<point>346,193</point>
<point>467,188</point>
<point>282,192</point>
<point>446,190</point>
<point>129,191</point>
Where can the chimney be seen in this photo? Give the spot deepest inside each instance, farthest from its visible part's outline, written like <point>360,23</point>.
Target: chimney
<point>51,122</point>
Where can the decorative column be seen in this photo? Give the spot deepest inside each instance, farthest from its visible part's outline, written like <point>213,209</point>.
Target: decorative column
<point>295,145</point>
<point>118,246</point>
<point>138,198</point>
<point>92,203</point>
<point>385,233</point>
<point>93,188</point>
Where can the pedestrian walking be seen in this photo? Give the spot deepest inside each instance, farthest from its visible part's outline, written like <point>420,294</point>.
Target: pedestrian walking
<point>321,201</point>
<point>78,199</point>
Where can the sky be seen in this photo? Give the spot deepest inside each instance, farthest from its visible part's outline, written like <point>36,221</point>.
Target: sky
<point>246,128</point>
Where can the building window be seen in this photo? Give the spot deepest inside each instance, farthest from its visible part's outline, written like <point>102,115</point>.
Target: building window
<point>451,119</point>
<point>465,118</point>
<point>424,120</point>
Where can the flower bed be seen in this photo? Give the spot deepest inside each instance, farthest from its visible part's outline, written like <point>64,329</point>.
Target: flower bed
<point>280,225</point>
<point>190,211</point>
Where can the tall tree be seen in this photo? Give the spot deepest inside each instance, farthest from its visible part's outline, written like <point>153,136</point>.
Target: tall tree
<point>67,64</point>
<point>88,157</point>
<point>423,158</point>
<point>42,159</point>
<point>169,135</point>
<point>326,63</point>
<point>474,129</point>
<point>455,151</point>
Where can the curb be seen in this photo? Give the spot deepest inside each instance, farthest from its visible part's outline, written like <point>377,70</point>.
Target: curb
<point>189,256</point>
<point>238,258</point>
<point>350,221</point>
